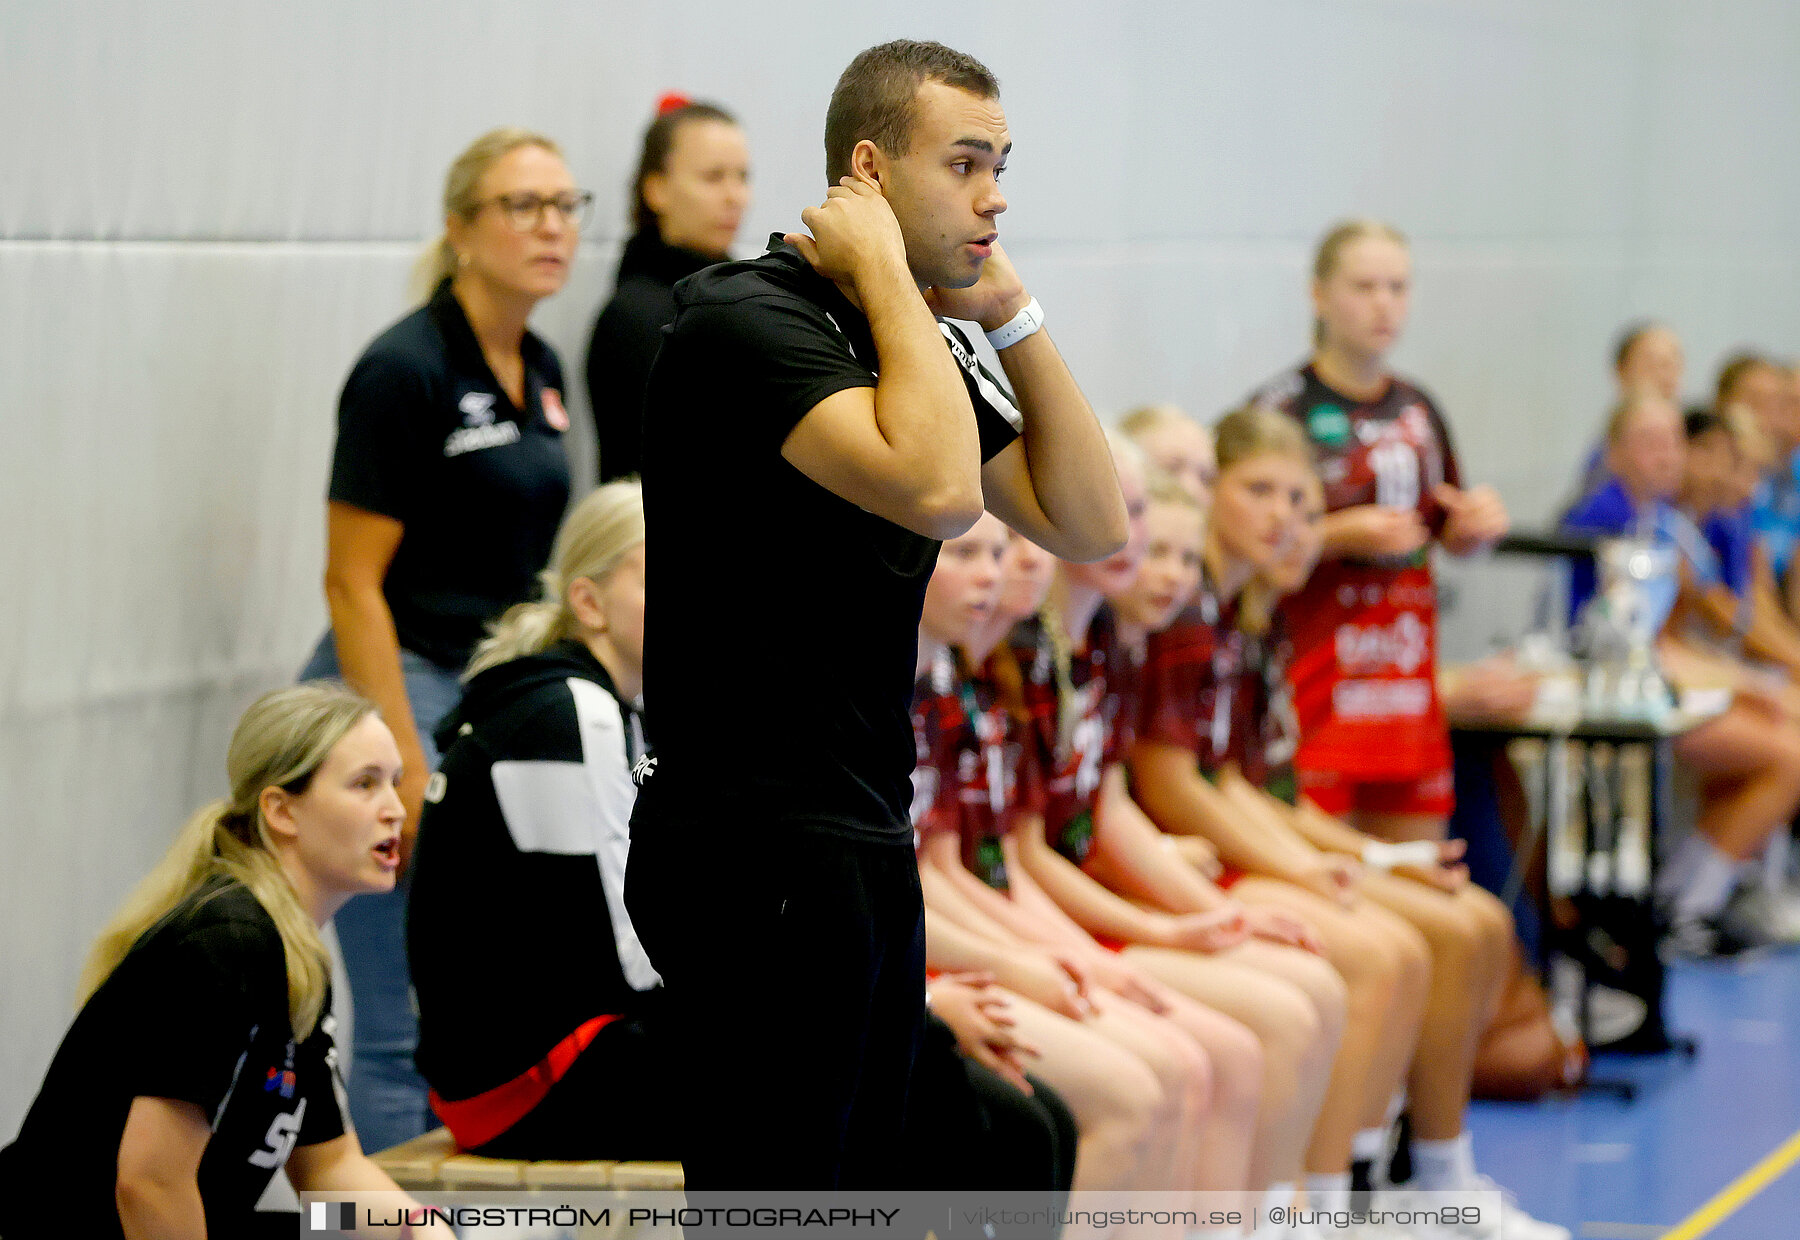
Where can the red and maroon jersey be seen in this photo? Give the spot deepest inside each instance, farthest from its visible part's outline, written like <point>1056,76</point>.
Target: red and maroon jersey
<point>1005,782</point>
<point>940,733</point>
<point>975,774</point>
<point>1277,727</point>
<point>1197,690</point>
<point>1365,632</point>
<point>1076,740</point>
<point>1223,694</point>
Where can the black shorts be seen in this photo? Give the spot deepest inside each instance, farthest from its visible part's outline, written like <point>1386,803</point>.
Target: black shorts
<point>794,963</point>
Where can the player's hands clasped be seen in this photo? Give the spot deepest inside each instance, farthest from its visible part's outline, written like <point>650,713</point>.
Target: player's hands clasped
<point>1474,518</point>
<point>1450,874</point>
<point>1375,531</point>
<point>1272,925</point>
<point>1210,932</point>
<point>1050,980</point>
<point>854,234</point>
<point>1332,875</point>
<point>981,1017</point>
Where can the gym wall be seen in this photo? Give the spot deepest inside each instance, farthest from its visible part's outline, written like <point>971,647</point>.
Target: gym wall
<point>210,207</point>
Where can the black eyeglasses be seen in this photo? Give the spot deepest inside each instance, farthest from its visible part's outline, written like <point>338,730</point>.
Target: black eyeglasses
<point>525,212</point>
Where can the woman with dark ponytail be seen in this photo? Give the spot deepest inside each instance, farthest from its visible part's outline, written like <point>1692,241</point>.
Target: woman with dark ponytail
<point>688,197</point>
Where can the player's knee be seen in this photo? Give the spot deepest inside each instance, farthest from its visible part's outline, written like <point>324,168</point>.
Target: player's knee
<point>1412,956</point>
<point>1292,1025</point>
<point>1182,1069</point>
<point>1493,920</point>
<point>1371,968</point>
<point>1330,996</point>
<point>1132,1099</point>
<point>1237,1068</point>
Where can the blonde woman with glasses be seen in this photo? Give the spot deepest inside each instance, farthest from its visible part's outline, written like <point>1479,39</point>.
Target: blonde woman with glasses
<point>447,483</point>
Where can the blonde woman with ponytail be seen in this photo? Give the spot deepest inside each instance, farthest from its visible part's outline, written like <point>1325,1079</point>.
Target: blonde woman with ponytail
<point>520,871</point>
<point>447,483</point>
<point>201,1062</point>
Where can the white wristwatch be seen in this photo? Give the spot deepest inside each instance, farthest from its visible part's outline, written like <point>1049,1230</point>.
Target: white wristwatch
<point>1021,325</point>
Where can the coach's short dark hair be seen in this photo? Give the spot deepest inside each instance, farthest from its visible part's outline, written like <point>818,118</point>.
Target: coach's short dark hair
<point>875,96</point>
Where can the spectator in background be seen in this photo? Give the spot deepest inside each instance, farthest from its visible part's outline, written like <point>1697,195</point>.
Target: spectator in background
<point>1176,444</point>
<point>1647,356</point>
<point>1771,395</point>
<point>1783,466</point>
<point>688,198</point>
<point>1748,758</point>
<point>1719,477</point>
<point>447,484</point>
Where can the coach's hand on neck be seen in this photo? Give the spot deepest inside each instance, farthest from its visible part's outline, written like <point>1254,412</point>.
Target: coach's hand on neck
<point>856,242</point>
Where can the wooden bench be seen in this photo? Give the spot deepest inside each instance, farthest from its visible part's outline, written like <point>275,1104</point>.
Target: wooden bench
<point>432,1163</point>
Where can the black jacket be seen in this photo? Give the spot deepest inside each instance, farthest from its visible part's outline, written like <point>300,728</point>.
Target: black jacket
<point>516,927</point>
<point>626,337</point>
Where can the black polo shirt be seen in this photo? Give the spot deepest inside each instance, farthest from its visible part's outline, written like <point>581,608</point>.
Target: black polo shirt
<point>781,622</point>
<point>427,436</point>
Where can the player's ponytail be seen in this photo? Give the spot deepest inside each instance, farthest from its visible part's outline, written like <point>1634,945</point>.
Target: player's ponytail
<point>595,536</point>
<point>281,741</point>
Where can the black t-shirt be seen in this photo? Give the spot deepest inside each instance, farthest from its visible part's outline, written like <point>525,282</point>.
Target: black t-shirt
<point>197,1012</point>
<point>427,436</point>
<point>757,561</point>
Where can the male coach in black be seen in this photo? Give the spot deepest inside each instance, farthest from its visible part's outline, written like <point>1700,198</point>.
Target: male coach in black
<point>812,431</point>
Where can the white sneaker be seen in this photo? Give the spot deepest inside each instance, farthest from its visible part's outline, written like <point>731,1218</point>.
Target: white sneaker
<point>1510,1223</point>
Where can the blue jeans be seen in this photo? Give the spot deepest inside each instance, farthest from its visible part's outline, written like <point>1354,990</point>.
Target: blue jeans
<point>387,1095</point>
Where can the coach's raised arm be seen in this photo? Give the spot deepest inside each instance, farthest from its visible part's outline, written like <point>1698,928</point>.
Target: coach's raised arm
<point>922,218</point>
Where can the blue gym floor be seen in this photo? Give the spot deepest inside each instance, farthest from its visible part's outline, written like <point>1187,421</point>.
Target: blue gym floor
<point>1612,1170</point>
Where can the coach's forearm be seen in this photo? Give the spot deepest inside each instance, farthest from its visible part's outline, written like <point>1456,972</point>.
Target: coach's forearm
<point>922,409</point>
<point>1066,452</point>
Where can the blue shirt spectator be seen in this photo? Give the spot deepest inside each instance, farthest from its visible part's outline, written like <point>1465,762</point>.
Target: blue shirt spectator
<point>1733,541</point>
<point>1775,514</point>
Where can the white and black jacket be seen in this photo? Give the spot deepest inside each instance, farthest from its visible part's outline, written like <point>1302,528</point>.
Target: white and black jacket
<point>516,926</point>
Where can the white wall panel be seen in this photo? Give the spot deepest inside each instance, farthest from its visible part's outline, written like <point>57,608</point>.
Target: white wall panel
<point>210,207</point>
